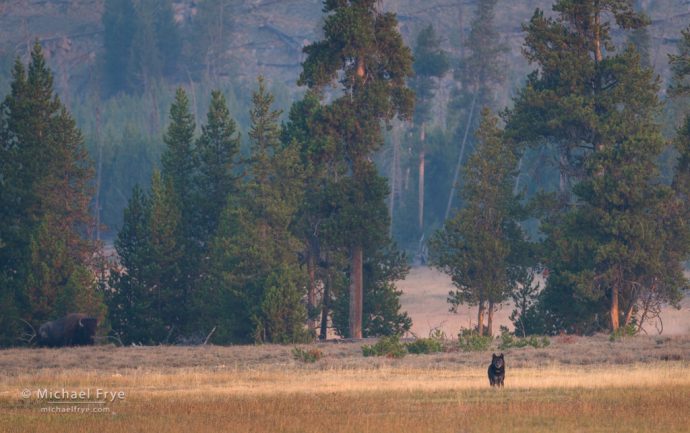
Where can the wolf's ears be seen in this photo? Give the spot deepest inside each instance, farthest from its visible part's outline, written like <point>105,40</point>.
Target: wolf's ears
<point>493,355</point>
<point>500,356</point>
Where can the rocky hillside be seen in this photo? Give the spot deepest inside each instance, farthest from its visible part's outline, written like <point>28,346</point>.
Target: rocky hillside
<point>266,36</point>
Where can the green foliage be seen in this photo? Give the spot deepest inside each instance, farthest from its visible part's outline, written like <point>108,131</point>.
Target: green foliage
<point>524,298</point>
<point>255,275</point>
<point>390,347</point>
<point>430,64</point>
<point>217,151</point>
<point>130,299</point>
<point>363,51</point>
<point>283,314</point>
<point>481,244</point>
<point>306,355</point>
<point>614,236</point>
<point>469,340</point>
<point>680,65</point>
<point>381,315</point>
<point>424,346</point>
<point>509,341</point>
<point>45,190</point>
<point>629,330</point>
<point>484,67</point>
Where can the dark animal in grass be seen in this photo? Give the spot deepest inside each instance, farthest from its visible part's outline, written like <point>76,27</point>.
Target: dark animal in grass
<point>74,329</point>
<point>497,370</point>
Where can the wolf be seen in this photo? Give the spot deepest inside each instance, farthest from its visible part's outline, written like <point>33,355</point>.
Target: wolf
<point>497,370</point>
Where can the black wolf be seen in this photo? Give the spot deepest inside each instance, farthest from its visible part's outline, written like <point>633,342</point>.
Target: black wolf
<point>497,370</point>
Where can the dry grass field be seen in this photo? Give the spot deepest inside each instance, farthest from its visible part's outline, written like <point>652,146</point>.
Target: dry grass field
<point>638,384</point>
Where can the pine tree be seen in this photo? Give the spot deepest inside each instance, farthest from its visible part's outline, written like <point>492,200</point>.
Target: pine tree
<point>255,252</point>
<point>304,129</point>
<point>381,315</point>
<point>210,30</point>
<point>480,72</point>
<point>430,65</point>
<point>129,302</point>
<point>363,50</point>
<point>475,246</point>
<point>680,65</point>
<point>217,150</point>
<point>46,190</point>
<point>168,260</point>
<point>177,190</point>
<point>612,239</point>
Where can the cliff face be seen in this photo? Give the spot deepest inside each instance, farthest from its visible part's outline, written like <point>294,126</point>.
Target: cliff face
<point>267,36</point>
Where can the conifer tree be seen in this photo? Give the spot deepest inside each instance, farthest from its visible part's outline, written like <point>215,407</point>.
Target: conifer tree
<point>480,72</point>
<point>217,150</point>
<point>255,251</point>
<point>305,128</point>
<point>177,190</point>
<point>364,52</point>
<point>45,191</point>
<point>476,246</point>
<point>130,301</point>
<point>611,240</point>
<point>430,65</point>
<point>168,260</point>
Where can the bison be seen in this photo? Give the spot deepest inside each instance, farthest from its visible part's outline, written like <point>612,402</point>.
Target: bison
<point>74,329</point>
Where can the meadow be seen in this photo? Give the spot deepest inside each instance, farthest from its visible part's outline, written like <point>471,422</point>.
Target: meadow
<point>635,384</point>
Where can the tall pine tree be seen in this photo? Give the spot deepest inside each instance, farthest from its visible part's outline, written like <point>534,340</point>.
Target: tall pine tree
<point>255,252</point>
<point>45,186</point>
<point>363,51</point>
<point>609,239</point>
<point>477,246</point>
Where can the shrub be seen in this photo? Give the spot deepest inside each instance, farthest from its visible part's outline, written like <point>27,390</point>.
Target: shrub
<point>424,346</point>
<point>624,331</point>
<point>309,355</point>
<point>469,340</point>
<point>390,347</point>
<point>508,341</point>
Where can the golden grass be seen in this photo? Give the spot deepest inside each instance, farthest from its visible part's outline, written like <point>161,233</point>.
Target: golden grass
<point>575,385</point>
<point>373,401</point>
<point>271,381</point>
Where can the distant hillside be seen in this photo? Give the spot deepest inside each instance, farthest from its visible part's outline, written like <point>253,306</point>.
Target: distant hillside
<point>266,36</point>
<point>123,131</point>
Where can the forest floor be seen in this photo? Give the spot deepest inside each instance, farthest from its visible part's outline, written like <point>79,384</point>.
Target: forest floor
<point>575,384</point>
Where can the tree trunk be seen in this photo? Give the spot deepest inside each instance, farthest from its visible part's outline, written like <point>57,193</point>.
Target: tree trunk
<point>99,171</point>
<point>325,305</point>
<point>422,156</point>
<point>311,289</point>
<point>597,38</point>
<point>614,309</point>
<point>394,176</point>
<point>356,292</point>
<point>360,67</point>
<point>460,156</point>
<point>480,318</point>
<point>490,319</point>
<point>629,314</point>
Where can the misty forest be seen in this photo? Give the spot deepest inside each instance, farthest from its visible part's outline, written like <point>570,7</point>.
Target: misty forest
<point>246,172</point>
